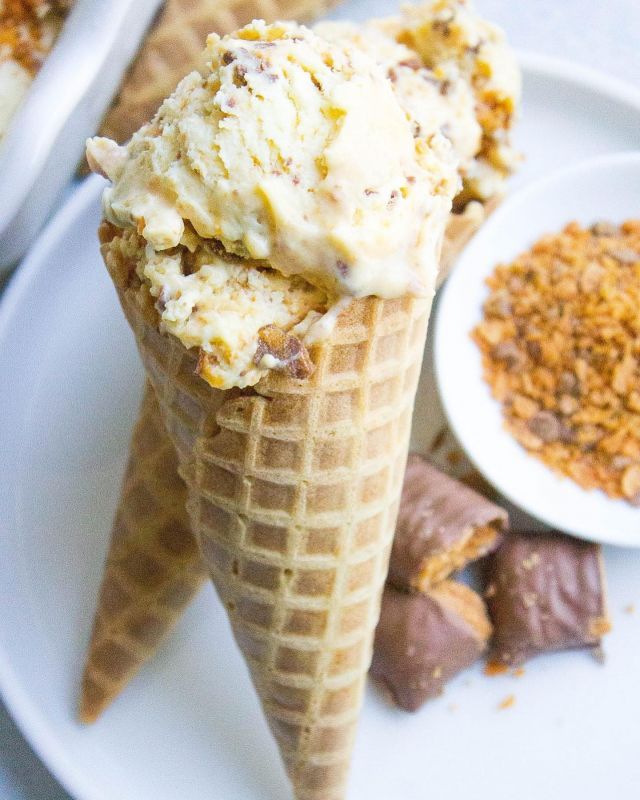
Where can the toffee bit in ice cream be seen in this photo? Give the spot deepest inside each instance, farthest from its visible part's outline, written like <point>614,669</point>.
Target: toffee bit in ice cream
<point>219,304</point>
<point>294,150</point>
<point>278,349</point>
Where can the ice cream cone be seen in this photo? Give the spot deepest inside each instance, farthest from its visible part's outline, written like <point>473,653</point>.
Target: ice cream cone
<point>282,325</point>
<point>152,571</point>
<point>457,235</point>
<point>175,47</point>
<point>293,495</point>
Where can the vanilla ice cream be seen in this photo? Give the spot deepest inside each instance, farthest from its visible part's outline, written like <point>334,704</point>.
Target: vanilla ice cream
<point>292,150</point>
<point>452,72</point>
<point>28,29</point>
<point>450,34</point>
<point>300,170</point>
<point>436,100</point>
<point>220,303</point>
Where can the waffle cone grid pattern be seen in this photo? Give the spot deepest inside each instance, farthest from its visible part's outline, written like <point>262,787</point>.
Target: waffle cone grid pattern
<point>293,495</point>
<point>152,571</point>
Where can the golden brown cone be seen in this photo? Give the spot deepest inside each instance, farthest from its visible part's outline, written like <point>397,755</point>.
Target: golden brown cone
<point>293,495</point>
<point>458,232</point>
<point>174,48</point>
<point>153,567</point>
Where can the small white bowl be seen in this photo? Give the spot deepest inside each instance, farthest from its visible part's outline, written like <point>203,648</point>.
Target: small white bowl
<point>46,137</point>
<point>604,188</point>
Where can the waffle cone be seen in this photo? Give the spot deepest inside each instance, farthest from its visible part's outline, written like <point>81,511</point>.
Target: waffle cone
<point>459,230</point>
<point>293,495</point>
<point>153,567</point>
<point>174,48</point>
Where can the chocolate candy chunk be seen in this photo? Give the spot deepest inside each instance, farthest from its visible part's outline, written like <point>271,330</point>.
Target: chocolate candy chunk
<point>442,526</point>
<point>286,350</point>
<point>545,592</point>
<point>423,640</point>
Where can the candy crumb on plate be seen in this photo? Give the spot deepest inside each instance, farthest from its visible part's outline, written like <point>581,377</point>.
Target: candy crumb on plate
<point>508,702</point>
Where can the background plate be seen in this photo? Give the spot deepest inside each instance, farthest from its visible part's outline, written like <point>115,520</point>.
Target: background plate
<point>189,727</point>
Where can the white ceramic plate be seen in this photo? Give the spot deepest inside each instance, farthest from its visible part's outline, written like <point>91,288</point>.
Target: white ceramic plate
<point>606,188</point>
<point>189,727</point>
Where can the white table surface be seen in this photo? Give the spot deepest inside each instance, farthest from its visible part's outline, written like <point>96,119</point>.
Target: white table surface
<point>602,35</point>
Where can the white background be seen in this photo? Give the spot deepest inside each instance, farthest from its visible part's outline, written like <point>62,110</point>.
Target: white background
<point>604,35</point>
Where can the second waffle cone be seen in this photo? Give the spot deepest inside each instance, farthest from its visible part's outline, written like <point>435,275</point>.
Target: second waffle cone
<point>153,568</point>
<point>293,495</point>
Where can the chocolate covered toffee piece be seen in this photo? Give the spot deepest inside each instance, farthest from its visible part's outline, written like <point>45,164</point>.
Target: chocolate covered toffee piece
<point>442,526</point>
<point>545,592</point>
<point>423,640</point>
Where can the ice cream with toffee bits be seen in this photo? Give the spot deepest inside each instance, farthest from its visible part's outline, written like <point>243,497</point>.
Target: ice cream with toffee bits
<point>418,88</point>
<point>222,305</point>
<point>292,150</point>
<point>292,160</point>
<point>28,30</point>
<point>450,34</point>
<point>452,72</point>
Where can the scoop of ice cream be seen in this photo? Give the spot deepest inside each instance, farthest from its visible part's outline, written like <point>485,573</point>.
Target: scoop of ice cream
<point>436,99</point>
<point>452,30</point>
<point>446,33</point>
<point>293,150</point>
<point>27,33</point>
<point>221,304</point>
<point>452,72</point>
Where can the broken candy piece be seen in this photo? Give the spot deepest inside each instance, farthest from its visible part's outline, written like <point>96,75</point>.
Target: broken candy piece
<point>545,592</point>
<point>285,350</point>
<point>423,640</point>
<point>442,526</point>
